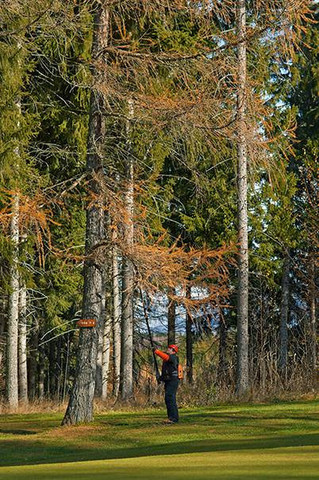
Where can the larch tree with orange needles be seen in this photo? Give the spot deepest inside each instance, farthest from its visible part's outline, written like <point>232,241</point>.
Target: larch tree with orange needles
<point>275,23</point>
<point>80,407</point>
<point>14,139</point>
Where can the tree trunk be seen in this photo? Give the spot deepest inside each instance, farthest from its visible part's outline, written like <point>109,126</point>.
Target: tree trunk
<point>41,375</point>
<point>222,348</point>
<point>283,348</point>
<point>116,322</point>
<point>66,368</point>
<point>33,362</point>
<point>242,300</point>
<point>13,311</point>
<point>171,317</point>
<point>3,316</point>
<point>313,320</point>
<point>80,407</point>
<point>52,369</point>
<point>128,277</point>
<point>98,375</point>
<point>59,369</point>
<point>105,338</point>
<point>41,367</point>
<point>189,341</point>
<point>23,371</point>
<point>106,355</point>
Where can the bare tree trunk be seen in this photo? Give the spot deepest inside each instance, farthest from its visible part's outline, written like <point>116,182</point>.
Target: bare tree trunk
<point>116,322</point>
<point>58,369</point>
<point>106,355</point>
<point>283,348</point>
<point>222,348</point>
<point>3,316</point>
<point>105,339</point>
<point>313,319</point>
<point>171,317</point>
<point>66,368</point>
<point>128,277</point>
<point>127,331</point>
<point>52,369</point>
<point>13,311</point>
<point>242,300</point>
<point>33,362</point>
<point>189,341</point>
<point>98,376</point>
<point>41,366</point>
<point>41,377</point>
<point>263,332</point>
<point>80,407</point>
<point>23,371</point>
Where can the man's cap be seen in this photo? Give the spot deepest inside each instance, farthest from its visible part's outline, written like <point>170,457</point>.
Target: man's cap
<point>173,347</point>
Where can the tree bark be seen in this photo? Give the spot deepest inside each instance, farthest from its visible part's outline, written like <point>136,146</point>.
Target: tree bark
<point>242,299</point>
<point>3,316</point>
<point>52,369</point>
<point>41,373</point>
<point>80,407</point>
<point>189,341</point>
<point>98,376</point>
<point>59,368</point>
<point>116,322</point>
<point>283,348</point>
<point>106,331</point>
<point>128,276</point>
<point>33,362</point>
<point>313,315</point>
<point>171,318</point>
<point>106,355</point>
<point>13,311</point>
<point>23,371</point>
<point>222,349</point>
<point>66,368</point>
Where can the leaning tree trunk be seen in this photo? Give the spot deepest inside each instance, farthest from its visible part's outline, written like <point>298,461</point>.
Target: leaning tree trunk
<point>13,311</point>
<point>128,276</point>
<point>242,300</point>
<point>171,318</point>
<point>23,371</point>
<point>80,407</point>
<point>283,346</point>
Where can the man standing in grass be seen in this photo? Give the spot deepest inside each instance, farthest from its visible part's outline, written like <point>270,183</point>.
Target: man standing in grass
<point>170,378</point>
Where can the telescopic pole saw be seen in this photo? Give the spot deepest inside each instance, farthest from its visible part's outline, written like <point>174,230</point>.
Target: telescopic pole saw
<point>157,373</point>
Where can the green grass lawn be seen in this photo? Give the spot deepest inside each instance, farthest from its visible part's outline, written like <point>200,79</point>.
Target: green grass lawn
<point>279,441</point>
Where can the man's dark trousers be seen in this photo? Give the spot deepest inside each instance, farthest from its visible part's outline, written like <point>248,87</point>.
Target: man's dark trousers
<point>171,387</point>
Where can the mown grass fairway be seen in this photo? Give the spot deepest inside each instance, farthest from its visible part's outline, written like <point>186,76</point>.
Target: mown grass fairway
<point>279,441</point>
